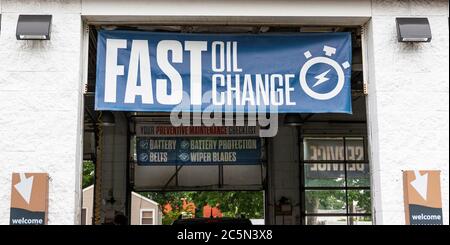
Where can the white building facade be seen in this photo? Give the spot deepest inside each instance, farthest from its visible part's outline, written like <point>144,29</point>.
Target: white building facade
<point>42,85</point>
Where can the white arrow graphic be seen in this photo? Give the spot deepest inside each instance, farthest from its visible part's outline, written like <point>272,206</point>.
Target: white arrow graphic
<point>25,187</point>
<point>421,184</point>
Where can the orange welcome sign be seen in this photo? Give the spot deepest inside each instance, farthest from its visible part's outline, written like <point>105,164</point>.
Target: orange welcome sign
<point>29,199</point>
<point>422,197</point>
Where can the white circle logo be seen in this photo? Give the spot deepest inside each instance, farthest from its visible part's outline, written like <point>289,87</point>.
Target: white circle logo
<point>322,96</point>
<point>322,78</point>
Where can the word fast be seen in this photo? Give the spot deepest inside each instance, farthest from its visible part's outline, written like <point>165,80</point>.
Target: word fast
<point>140,61</point>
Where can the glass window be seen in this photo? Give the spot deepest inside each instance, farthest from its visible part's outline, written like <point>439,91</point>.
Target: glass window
<point>359,178</point>
<point>336,182</point>
<point>323,175</point>
<point>326,220</point>
<point>360,220</point>
<point>355,149</point>
<point>359,201</point>
<point>323,149</point>
<point>325,201</point>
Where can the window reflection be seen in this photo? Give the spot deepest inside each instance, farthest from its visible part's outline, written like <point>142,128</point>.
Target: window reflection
<point>336,181</point>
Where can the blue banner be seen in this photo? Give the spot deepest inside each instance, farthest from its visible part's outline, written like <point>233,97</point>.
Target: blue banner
<point>198,150</point>
<point>155,71</point>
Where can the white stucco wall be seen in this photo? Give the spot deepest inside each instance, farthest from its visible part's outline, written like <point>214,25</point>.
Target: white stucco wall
<point>408,103</point>
<point>40,105</point>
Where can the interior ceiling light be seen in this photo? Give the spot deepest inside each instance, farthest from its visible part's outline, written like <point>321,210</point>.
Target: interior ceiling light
<point>107,119</point>
<point>293,120</point>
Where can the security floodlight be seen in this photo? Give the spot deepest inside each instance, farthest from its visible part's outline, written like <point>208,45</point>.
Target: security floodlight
<point>413,30</point>
<point>33,27</point>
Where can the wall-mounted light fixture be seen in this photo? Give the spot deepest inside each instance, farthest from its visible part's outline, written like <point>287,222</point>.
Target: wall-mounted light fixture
<point>34,27</point>
<point>413,30</point>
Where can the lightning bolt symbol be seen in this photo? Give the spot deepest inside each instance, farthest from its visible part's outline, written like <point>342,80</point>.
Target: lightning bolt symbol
<point>321,78</point>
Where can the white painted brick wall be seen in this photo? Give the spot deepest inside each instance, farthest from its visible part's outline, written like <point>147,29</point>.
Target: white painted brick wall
<point>40,104</point>
<point>408,103</point>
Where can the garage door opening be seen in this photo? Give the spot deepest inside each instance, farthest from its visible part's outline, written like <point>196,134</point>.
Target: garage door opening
<point>173,206</point>
<point>296,183</point>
